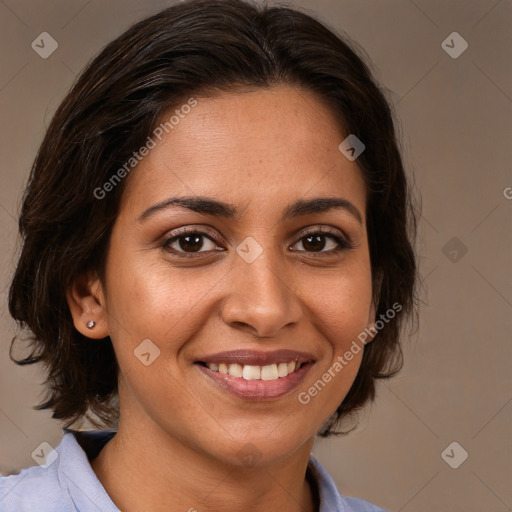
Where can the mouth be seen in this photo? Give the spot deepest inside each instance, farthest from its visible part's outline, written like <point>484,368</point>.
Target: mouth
<point>256,375</point>
<point>255,372</point>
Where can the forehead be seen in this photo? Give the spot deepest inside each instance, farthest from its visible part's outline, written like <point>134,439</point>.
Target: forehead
<point>265,146</point>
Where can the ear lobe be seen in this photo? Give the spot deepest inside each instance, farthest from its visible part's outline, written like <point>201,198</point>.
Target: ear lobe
<point>86,302</point>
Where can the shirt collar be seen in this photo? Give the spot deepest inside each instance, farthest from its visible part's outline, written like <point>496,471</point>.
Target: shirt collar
<point>78,447</point>
<point>75,470</point>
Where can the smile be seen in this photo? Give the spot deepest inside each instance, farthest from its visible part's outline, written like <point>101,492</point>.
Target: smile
<point>251,372</point>
<point>256,375</point>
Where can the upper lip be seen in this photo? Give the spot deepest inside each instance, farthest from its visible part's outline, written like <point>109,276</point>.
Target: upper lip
<point>252,357</point>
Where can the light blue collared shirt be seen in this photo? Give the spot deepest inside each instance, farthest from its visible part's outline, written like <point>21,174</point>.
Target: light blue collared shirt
<point>67,483</point>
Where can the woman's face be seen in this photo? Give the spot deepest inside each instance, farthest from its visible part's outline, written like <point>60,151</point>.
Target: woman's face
<point>251,280</point>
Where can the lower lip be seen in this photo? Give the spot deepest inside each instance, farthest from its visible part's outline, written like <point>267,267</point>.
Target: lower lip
<point>257,389</point>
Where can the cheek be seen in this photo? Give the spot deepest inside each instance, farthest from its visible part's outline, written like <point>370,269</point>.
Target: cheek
<point>342,311</point>
<point>145,296</point>
<point>342,306</point>
<point>153,302</point>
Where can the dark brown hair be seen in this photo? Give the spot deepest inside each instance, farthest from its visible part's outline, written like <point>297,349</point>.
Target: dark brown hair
<point>191,49</point>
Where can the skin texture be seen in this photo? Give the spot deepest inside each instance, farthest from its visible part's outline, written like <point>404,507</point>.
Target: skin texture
<point>179,436</point>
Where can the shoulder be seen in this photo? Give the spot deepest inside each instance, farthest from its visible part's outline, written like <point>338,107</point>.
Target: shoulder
<point>359,505</point>
<point>65,483</point>
<point>330,498</point>
<point>34,489</point>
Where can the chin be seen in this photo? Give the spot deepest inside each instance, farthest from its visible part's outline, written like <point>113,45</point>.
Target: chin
<point>264,450</point>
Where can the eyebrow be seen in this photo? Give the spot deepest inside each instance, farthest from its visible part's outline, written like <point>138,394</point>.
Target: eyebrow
<point>209,206</point>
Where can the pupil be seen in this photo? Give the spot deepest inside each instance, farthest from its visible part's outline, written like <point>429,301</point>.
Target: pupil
<point>191,246</point>
<point>310,240</point>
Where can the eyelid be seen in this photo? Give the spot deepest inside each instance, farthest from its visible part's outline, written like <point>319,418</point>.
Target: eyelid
<point>191,229</point>
<point>324,230</point>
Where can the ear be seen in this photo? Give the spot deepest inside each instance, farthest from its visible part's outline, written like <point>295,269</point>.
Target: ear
<point>86,302</point>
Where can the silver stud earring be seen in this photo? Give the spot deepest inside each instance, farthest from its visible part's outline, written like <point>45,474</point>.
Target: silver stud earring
<point>91,324</point>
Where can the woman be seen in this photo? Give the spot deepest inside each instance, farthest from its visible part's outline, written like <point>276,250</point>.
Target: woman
<point>217,262</point>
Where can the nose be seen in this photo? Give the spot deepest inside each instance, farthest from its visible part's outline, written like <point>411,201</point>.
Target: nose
<point>262,299</point>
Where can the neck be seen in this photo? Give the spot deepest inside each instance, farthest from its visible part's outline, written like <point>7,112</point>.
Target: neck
<point>144,468</point>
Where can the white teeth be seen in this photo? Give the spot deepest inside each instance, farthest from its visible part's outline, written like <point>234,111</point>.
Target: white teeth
<point>269,372</point>
<point>252,372</point>
<point>282,369</point>
<point>236,370</point>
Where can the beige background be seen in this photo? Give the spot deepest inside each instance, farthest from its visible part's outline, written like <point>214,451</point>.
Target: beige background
<point>456,125</point>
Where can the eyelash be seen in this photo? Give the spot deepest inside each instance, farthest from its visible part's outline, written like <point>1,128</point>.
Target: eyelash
<point>343,243</point>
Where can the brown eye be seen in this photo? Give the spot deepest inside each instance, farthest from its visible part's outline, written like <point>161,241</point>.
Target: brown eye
<point>316,242</point>
<point>189,242</point>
